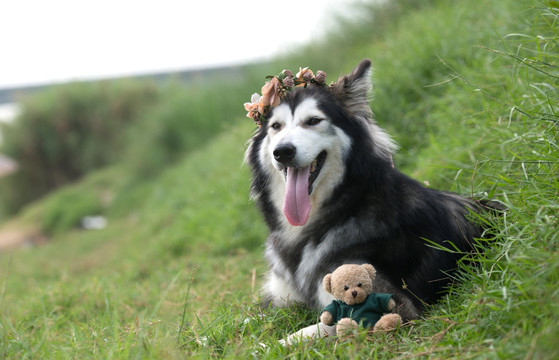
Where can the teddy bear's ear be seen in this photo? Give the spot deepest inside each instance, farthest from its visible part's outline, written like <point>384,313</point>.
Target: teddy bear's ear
<point>371,270</point>
<point>327,283</point>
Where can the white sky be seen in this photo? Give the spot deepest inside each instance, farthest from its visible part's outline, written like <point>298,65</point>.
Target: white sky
<point>45,41</point>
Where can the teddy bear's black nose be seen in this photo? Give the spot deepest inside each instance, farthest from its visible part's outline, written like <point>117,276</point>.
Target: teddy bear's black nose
<point>354,293</point>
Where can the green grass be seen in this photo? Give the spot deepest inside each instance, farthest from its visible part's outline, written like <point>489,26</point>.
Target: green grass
<point>113,290</point>
<point>176,273</point>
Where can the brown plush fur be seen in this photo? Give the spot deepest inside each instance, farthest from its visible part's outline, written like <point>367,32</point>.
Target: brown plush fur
<point>352,284</point>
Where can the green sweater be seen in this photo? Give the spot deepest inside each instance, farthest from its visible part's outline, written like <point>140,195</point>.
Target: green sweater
<point>369,311</point>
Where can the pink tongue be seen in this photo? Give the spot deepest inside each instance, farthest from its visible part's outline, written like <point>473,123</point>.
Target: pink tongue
<point>297,204</point>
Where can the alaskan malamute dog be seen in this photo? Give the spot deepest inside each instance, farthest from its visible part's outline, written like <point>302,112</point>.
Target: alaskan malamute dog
<point>323,177</point>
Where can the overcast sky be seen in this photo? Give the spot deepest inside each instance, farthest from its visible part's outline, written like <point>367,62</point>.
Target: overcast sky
<point>46,41</point>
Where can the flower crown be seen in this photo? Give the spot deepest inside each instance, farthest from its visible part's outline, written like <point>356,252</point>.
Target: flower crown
<point>276,88</point>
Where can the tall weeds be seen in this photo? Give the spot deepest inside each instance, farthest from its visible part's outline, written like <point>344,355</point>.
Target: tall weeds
<point>67,131</point>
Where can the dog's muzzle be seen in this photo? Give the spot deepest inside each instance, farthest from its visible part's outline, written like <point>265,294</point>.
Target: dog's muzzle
<point>299,183</point>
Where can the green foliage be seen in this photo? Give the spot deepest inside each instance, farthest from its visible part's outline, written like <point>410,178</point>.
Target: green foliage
<point>66,131</point>
<point>470,92</point>
<point>70,130</point>
<point>184,120</point>
<point>67,209</point>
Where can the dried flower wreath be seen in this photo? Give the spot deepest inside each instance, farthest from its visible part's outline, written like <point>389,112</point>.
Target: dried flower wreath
<point>277,87</point>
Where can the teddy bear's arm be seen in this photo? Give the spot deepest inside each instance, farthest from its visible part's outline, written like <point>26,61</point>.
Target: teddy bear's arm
<point>391,304</point>
<point>326,318</point>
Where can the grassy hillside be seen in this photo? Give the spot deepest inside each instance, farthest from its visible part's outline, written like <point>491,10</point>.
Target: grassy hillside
<point>470,93</point>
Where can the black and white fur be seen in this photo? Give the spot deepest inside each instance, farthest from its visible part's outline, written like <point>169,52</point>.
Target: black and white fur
<point>363,210</point>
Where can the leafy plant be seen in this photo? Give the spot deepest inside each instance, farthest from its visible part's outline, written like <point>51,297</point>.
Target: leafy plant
<point>66,131</point>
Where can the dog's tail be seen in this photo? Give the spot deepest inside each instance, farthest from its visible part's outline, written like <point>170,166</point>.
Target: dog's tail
<point>490,214</point>
<point>492,207</point>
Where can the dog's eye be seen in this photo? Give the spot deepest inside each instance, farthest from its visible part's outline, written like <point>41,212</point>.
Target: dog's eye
<point>276,126</point>
<point>346,288</point>
<point>313,121</point>
<point>359,285</point>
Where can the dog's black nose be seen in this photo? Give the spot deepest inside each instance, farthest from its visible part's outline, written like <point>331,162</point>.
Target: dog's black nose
<point>284,153</point>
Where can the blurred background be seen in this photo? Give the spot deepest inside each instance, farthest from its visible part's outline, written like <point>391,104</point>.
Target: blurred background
<point>78,75</point>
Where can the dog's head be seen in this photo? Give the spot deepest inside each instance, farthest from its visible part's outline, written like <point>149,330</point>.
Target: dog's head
<point>305,141</point>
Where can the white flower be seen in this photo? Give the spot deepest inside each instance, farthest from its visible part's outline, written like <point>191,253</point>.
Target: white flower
<point>255,98</point>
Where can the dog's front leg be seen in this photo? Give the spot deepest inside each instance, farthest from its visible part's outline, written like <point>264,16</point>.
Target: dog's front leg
<point>279,293</point>
<point>315,331</point>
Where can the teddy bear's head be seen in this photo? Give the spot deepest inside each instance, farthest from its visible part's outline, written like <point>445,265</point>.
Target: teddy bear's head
<point>350,283</point>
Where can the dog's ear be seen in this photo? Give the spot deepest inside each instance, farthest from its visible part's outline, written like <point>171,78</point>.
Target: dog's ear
<point>353,90</point>
<point>327,283</point>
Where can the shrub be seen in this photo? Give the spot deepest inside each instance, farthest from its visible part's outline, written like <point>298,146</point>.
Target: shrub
<point>66,131</point>
<point>184,120</point>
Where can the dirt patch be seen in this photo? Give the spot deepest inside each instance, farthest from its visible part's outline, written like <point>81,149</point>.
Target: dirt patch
<point>13,237</point>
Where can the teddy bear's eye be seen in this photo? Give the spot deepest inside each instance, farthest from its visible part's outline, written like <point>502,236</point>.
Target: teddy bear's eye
<point>359,285</point>
<point>346,287</point>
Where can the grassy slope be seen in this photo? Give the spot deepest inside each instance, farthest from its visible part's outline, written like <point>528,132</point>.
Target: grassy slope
<point>109,291</point>
<point>185,252</point>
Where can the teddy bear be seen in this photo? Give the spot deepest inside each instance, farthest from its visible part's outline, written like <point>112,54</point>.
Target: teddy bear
<point>352,286</point>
